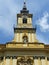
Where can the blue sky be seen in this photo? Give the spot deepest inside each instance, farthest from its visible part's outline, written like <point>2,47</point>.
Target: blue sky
<point>8,11</point>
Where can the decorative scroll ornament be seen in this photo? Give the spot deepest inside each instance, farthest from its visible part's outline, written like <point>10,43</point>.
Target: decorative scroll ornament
<point>25,61</point>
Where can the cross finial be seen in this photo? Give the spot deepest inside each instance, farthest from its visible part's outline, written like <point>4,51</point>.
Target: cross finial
<point>24,4</point>
<point>24,1</point>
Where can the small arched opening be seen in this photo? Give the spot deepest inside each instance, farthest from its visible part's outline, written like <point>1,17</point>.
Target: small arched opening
<point>25,39</point>
<point>24,20</point>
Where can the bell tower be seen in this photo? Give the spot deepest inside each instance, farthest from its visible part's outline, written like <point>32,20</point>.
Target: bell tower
<point>24,19</point>
<point>24,32</point>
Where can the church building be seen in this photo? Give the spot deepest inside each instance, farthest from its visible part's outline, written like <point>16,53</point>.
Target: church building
<point>24,49</point>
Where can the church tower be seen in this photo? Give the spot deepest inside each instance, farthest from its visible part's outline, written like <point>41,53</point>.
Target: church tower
<point>24,31</point>
<point>24,49</point>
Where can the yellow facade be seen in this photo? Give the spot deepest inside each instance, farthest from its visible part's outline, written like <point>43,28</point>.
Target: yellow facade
<point>24,49</point>
<point>31,37</point>
<point>21,25</point>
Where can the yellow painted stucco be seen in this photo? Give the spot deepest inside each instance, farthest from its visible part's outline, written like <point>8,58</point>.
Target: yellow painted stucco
<point>16,50</point>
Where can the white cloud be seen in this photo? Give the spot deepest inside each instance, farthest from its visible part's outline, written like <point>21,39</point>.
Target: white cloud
<point>43,22</point>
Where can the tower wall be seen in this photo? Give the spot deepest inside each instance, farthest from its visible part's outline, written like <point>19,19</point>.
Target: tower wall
<point>18,37</point>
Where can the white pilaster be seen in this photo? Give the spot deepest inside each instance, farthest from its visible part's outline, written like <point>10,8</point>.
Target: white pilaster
<point>17,37</point>
<point>14,61</point>
<point>7,61</point>
<point>36,61</point>
<point>48,61</point>
<point>4,60</point>
<point>20,37</point>
<point>43,61</point>
<point>32,37</point>
<point>29,37</point>
<point>10,60</point>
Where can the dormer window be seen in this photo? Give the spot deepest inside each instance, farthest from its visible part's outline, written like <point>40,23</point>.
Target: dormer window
<point>24,20</point>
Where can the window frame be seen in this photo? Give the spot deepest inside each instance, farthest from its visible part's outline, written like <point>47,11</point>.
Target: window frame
<point>24,20</point>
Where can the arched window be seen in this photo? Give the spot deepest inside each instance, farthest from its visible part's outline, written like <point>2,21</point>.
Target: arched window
<point>25,39</point>
<point>24,20</point>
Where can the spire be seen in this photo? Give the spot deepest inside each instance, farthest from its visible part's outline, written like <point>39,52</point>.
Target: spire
<point>24,2</point>
<point>24,7</point>
<point>24,10</point>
